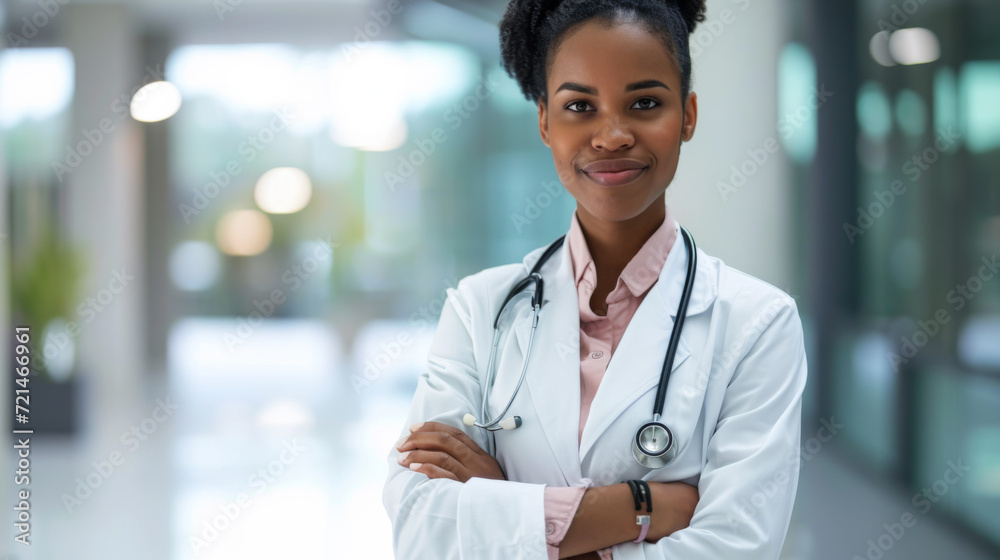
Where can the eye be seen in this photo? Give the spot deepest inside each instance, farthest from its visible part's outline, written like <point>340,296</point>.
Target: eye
<point>650,103</point>
<point>650,99</point>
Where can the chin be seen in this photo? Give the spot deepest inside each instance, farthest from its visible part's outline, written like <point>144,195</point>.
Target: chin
<point>616,211</point>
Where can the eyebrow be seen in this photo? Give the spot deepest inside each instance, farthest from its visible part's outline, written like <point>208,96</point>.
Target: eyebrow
<point>573,86</point>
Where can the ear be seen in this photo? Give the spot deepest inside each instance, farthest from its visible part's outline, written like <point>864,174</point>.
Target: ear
<point>690,116</point>
<point>543,122</point>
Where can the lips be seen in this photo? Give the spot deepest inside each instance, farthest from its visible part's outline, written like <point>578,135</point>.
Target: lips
<point>615,179</point>
<point>614,172</point>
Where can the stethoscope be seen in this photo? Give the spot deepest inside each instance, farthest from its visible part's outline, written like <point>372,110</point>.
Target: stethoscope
<point>654,445</point>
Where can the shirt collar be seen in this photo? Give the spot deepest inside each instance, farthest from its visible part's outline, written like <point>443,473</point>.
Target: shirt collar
<point>641,272</point>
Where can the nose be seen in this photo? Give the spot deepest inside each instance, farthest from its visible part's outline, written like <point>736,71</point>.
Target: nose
<point>612,136</point>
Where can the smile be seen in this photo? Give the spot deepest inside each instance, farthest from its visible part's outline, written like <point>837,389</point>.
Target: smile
<point>616,178</point>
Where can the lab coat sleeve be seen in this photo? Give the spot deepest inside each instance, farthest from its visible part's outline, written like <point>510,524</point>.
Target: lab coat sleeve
<point>747,487</point>
<point>446,519</point>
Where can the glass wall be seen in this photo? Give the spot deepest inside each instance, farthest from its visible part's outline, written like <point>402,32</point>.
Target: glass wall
<point>917,370</point>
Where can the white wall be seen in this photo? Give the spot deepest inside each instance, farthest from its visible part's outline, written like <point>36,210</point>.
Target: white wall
<point>735,77</point>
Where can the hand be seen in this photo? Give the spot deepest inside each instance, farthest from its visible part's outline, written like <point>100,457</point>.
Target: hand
<point>443,451</point>
<point>680,500</point>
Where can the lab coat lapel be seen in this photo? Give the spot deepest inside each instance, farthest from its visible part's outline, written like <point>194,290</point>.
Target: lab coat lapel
<point>637,363</point>
<point>553,376</point>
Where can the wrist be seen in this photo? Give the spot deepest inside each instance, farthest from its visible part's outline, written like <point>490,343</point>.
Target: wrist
<point>661,522</point>
<point>642,499</point>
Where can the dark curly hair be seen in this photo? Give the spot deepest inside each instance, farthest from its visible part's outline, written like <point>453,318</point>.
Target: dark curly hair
<point>532,29</point>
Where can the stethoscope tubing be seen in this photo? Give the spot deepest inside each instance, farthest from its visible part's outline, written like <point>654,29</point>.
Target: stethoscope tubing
<point>675,332</point>
<point>536,301</point>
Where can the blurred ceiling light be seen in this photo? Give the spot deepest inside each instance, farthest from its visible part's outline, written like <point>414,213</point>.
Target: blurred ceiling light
<point>250,77</point>
<point>354,89</point>
<point>194,265</point>
<point>285,414</point>
<point>878,46</point>
<point>370,134</point>
<point>34,83</point>
<point>367,102</point>
<point>155,102</point>
<point>243,233</point>
<point>283,190</point>
<point>915,45</point>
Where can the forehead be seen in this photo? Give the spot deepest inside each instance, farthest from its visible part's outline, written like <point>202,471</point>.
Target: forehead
<point>597,53</point>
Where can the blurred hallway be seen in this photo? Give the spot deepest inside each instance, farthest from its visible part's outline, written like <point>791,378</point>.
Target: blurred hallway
<point>231,225</point>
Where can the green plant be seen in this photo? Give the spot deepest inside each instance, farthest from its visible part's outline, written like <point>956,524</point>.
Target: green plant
<point>45,286</point>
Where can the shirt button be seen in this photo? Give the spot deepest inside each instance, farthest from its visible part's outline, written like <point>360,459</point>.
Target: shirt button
<point>596,354</point>
<point>549,529</point>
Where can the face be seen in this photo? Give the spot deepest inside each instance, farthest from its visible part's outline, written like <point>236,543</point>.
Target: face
<point>614,93</point>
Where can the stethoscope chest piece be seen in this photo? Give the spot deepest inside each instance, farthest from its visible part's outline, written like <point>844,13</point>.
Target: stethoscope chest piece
<point>654,446</point>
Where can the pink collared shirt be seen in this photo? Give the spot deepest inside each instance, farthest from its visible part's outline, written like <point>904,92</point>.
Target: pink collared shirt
<point>599,337</point>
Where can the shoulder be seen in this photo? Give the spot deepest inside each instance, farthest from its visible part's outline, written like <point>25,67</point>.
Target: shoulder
<point>475,295</point>
<point>761,320</point>
<point>753,302</point>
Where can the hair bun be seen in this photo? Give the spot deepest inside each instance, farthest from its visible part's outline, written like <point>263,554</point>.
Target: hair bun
<point>520,29</point>
<point>693,12</point>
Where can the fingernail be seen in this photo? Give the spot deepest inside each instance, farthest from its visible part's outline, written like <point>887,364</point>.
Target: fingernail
<point>402,440</point>
<point>402,457</point>
<point>416,426</point>
<point>415,466</point>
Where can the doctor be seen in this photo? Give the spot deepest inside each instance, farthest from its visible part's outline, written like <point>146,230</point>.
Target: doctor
<point>612,86</point>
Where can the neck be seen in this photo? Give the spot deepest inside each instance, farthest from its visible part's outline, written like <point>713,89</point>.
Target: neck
<point>613,244</point>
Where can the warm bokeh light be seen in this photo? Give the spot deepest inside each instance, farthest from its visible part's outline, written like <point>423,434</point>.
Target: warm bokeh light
<point>283,190</point>
<point>243,233</point>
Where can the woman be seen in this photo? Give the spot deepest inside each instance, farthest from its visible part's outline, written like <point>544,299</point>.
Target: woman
<point>612,83</point>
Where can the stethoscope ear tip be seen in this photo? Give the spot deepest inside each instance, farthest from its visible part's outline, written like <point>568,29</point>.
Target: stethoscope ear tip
<point>469,420</point>
<point>511,423</point>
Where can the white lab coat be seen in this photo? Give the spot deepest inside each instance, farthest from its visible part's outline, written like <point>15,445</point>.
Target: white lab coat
<point>733,404</point>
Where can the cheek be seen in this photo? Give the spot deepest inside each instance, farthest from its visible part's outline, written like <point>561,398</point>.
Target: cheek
<point>563,152</point>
